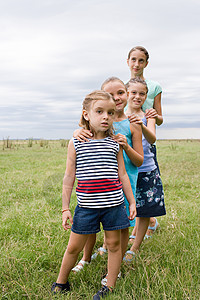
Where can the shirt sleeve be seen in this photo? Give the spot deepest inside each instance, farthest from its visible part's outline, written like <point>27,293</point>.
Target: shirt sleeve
<point>158,89</point>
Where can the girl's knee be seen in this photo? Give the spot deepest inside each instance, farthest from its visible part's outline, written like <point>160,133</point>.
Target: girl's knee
<point>76,243</point>
<point>73,249</point>
<point>113,240</point>
<point>113,245</point>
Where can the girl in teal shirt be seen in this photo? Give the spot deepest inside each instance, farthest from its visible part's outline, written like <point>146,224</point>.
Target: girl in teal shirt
<point>138,58</point>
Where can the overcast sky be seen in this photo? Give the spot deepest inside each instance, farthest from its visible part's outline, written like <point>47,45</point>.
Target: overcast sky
<point>54,52</point>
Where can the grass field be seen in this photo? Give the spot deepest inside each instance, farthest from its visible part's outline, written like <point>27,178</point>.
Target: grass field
<point>33,240</point>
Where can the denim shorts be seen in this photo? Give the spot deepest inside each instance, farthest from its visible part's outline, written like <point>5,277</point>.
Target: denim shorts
<point>87,220</point>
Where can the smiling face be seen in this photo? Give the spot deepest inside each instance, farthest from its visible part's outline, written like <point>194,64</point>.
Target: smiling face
<point>137,62</point>
<point>137,94</point>
<point>118,92</point>
<point>100,116</point>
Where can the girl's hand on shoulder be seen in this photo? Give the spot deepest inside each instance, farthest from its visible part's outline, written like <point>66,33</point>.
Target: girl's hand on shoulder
<point>132,211</point>
<point>82,135</point>
<point>133,118</point>
<point>121,140</point>
<point>151,113</point>
<point>65,217</point>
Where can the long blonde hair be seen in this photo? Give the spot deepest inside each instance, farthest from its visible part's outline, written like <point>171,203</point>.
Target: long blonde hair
<point>94,96</point>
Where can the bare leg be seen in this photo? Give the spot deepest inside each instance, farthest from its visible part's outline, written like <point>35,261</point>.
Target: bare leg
<point>141,230</point>
<point>100,252</point>
<point>152,223</point>
<point>113,242</point>
<point>75,246</point>
<point>103,246</point>
<point>89,247</point>
<point>124,240</point>
<point>134,231</point>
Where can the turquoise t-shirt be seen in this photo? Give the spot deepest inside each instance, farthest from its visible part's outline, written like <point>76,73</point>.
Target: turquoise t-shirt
<point>154,89</point>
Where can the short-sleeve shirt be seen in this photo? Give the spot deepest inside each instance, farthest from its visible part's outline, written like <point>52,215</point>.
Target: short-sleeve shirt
<point>154,89</point>
<point>97,173</point>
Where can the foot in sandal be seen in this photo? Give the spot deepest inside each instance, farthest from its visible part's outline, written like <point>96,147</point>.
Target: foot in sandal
<point>80,266</point>
<point>151,229</point>
<point>131,239</point>
<point>101,251</point>
<point>129,256</point>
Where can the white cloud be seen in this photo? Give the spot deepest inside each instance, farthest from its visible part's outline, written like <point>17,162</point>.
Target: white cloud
<point>54,52</point>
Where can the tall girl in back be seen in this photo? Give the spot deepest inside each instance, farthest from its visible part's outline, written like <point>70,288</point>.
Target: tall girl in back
<point>99,167</point>
<point>149,191</point>
<point>138,58</point>
<point>129,136</point>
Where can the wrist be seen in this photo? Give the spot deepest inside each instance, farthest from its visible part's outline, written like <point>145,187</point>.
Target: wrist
<point>65,209</point>
<point>125,147</point>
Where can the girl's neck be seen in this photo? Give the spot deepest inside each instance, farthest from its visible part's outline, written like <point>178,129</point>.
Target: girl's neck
<point>137,111</point>
<point>99,135</point>
<point>141,76</point>
<point>120,116</point>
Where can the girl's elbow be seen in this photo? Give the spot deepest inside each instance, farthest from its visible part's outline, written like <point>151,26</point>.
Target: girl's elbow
<point>140,161</point>
<point>153,140</point>
<point>159,121</point>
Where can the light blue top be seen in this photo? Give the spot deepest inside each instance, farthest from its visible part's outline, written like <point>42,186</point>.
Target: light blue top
<point>154,89</point>
<point>123,127</point>
<point>148,162</point>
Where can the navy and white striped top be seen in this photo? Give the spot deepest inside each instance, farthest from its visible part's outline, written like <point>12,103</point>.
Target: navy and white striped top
<point>97,173</point>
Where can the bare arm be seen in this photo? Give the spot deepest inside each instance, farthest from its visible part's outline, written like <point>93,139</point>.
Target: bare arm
<point>158,108</point>
<point>123,177</point>
<point>68,183</point>
<point>156,111</point>
<point>149,131</point>
<point>137,143</point>
<point>82,135</point>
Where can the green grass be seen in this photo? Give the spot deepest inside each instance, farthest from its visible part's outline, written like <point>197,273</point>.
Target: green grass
<point>33,240</point>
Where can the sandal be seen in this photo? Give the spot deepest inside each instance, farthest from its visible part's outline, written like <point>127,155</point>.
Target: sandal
<point>80,266</point>
<point>101,249</point>
<point>104,280</point>
<point>151,228</point>
<point>129,259</point>
<point>60,288</point>
<point>146,237</point>
<point>131,237</point>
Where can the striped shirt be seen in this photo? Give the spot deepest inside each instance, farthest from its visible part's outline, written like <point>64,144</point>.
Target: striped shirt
<point>97,173</point>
